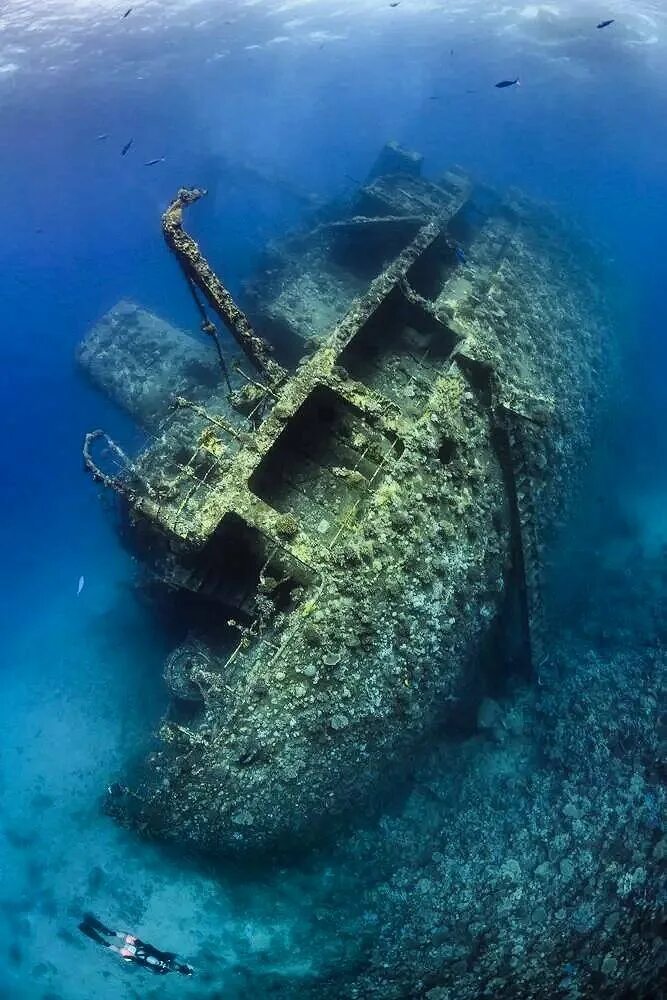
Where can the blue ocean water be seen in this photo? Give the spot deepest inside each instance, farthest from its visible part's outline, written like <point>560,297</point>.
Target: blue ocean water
<point>269,105</point>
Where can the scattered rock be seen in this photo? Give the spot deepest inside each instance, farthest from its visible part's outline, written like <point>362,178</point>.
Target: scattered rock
<point>489,714</point>
<point>243,818</point>
<point>609,965</point>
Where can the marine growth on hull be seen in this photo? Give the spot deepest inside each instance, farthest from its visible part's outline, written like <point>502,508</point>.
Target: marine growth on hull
<point>346,490</point>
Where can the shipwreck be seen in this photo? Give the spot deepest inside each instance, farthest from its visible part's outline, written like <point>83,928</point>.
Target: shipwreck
<point>351,493</point>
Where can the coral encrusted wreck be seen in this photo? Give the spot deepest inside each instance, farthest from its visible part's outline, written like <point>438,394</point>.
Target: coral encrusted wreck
<point>357,511</point>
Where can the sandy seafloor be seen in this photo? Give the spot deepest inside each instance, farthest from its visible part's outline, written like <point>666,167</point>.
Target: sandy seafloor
<point>83,696</point>
<point>85,691</point>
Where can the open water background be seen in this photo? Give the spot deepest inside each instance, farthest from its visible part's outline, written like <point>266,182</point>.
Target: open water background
<point>306,93</point>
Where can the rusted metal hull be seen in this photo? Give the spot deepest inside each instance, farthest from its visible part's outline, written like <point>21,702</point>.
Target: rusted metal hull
<point>363,530</point>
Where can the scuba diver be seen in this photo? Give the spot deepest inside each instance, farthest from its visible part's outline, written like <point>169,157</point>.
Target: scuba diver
<point>131,949</point>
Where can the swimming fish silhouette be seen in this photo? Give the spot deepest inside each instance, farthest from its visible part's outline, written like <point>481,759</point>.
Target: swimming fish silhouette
<point>81,585</point>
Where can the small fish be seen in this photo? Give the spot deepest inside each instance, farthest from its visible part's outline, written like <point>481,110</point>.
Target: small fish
<point>605,24</point>
<point>82,583</point>
<point>395,3</point>
<point>508,83</point>
<point>127,13</point>
<point>105,135</point>
<point>460,255</point>
<point>151,163</point>
<point>126,147</point>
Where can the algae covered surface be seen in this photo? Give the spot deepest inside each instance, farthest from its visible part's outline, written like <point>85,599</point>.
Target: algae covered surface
<point>334,496</point>
<point>392,496</point>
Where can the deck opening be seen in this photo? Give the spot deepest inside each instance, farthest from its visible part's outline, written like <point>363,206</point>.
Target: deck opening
<point>324,462</point>
<point>399,352</point>
<point>239,563</point>
<point>447,451</point>
<point>367,248</point>
<point>480,376</point>
<point>431,270</point>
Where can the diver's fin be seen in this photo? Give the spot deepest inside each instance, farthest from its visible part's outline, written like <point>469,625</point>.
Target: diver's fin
<point>91,921</point>
<point>90,932</point>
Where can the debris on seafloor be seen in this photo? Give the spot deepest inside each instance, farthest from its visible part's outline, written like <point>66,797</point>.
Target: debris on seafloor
<point>142,362</point>
<point>353,513</point>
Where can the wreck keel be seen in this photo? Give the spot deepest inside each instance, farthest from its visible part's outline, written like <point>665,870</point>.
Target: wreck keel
<point>354,540</point>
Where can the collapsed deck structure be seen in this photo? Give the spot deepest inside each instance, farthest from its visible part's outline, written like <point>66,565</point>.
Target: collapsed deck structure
<point>356,508</point>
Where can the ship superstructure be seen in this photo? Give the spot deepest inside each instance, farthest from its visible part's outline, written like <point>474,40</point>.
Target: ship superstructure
<point>357,507</point>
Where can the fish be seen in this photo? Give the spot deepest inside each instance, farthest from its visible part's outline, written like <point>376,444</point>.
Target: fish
<point>508,83</point>
<point>127,13</point>
<point>105,135</point>
<point>395,3</point>
<point>126,147</point>
<point>151,163</point>
<point>605,24</point>
<point>82,582</point>
<point>460,255</point>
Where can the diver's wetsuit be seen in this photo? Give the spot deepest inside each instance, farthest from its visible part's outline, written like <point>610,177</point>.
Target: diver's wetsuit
<point>131,949</point>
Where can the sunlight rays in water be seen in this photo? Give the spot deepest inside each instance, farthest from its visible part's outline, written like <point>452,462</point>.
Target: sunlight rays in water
<point>47,37</point>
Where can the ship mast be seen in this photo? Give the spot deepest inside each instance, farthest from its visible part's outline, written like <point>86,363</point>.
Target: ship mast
<point>199,274</point>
